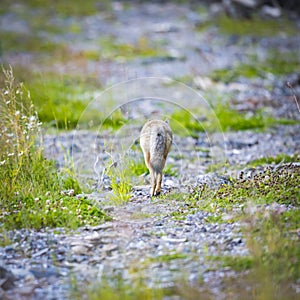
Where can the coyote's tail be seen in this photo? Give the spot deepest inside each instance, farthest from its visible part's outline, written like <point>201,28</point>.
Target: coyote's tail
<point>157,149</point>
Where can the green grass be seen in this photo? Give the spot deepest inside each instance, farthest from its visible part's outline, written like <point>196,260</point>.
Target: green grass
<point>165,258</point>
<point>231,120</point>
<point>127,172</point>
<point>17,42</point>
<point>222,117</point>
<point>276,63</point>
<point>255,26</point>
<point>138,167</point>
<point>170,170</point>
<point>279,186</point>
<point>62,101</point>
<point>115,121</point>
<point>34,194</point>
<point>117,289</point>
<point>111,49</point>
<point>280,158</point>
<point>62,7</point>
<point>51,210</point>
<point>266,188</point>
<point>183,123</point>
<point>236,263</point>
<point>59,99</point>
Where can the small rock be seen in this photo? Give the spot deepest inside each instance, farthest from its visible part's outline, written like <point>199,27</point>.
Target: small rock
<point>108,248</point>
<point>80,250</point>
<point>7,279</point>
<point>42,272</point>
<point>27,290</point>
<point>271,11</point>
<point>40,253</point>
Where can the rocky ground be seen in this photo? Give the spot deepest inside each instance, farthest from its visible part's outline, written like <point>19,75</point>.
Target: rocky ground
<point>144,235</point>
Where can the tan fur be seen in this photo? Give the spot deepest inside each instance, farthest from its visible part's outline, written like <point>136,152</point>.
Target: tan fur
<point>156,140</point>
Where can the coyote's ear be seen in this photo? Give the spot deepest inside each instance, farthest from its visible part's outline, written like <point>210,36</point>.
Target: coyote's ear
<point>167,121</point>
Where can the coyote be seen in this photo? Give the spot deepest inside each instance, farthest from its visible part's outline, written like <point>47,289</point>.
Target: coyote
<point>156,140</point>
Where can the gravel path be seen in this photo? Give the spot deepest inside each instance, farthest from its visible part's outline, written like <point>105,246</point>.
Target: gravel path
<point>144,235</point>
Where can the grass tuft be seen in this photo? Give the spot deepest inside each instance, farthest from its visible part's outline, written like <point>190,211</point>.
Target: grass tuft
<point>120,181</point>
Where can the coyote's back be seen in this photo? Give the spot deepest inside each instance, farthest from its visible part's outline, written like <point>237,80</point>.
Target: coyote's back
<point>156,140</point>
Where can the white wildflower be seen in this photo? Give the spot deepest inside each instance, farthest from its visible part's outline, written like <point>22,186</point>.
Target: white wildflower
<point>10,154</point>
<point>70,192</point>
<point>6,93</point>
<point>2,162</point>
<point>21,153</point>
<point>17,113</point>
